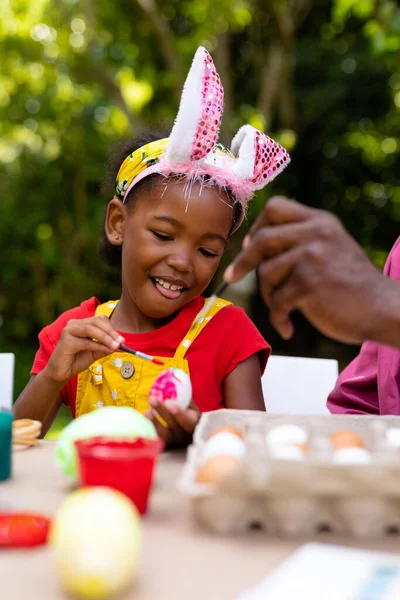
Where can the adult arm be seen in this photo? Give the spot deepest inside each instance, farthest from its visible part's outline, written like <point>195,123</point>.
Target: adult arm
<point>307,261</point>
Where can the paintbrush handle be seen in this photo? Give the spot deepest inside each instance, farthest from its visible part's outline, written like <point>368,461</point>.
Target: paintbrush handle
<point>142,355</point>
<point>126,349</point>
<point>220,289</point>
<point>208,304</point>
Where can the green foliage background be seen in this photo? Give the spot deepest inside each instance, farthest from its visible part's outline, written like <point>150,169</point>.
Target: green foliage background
<point>78,75</point>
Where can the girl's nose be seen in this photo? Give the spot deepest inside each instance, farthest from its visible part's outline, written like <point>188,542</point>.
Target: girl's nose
<point>180,261</point>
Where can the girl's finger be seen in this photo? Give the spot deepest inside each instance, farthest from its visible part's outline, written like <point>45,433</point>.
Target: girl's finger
<point>187,419</point>
<point>94,332</point>
<point>163,412</point>
<point>162,431</point>
<point>84,344</point>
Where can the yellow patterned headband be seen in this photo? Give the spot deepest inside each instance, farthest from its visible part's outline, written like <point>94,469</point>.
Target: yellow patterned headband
<point>146,160</point>
<point>136,163</point>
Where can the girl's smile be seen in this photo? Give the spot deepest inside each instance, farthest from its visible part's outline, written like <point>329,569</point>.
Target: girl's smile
<point>171,248</point>
<point>169,287</point>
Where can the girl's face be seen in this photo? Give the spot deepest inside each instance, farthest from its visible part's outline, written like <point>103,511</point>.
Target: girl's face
<point>171,245</point>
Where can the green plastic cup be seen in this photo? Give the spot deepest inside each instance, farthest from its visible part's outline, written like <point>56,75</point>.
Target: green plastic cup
<point>6,420</point>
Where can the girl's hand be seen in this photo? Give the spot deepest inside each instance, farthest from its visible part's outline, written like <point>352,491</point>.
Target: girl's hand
<point>77,350</point>
<point>180,423</point>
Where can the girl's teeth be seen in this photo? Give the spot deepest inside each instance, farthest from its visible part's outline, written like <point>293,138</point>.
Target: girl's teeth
<point>168,286</point>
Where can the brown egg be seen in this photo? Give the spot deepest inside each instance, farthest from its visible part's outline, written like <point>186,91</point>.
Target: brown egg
<point>217,468</point>
<point>303,447</point>
<point>227,429</point>
<point>346,439</point>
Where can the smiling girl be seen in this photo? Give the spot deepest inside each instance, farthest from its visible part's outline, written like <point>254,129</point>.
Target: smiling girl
<point>176,202</point>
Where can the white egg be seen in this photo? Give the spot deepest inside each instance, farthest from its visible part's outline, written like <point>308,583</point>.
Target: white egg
<point>287,452</point>
<point>286,434</point>
<point>351,456</point>
<point>224,444</point>
<point>172,386</point>
<point>393,437</point>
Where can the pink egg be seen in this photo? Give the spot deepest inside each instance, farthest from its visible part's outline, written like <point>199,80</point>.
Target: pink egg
<point>173,387</point>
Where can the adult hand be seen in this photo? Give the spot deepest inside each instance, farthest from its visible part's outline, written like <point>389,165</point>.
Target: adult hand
<point>179,424</point>
<point>306,260</point>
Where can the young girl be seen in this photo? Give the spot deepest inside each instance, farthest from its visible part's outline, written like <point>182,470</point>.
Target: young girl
<point>176,202</point>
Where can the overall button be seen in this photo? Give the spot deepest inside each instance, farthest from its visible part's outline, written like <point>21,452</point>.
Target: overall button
<point>127,370</point>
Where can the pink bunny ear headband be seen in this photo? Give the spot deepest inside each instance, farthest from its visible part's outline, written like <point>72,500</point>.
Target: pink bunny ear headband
<point>192,149</point>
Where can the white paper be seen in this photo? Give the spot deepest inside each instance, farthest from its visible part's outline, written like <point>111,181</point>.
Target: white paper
<point>324,572</point>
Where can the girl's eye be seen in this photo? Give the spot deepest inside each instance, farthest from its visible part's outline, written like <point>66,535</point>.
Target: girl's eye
<point>208,253</point>
<point>162,236</point>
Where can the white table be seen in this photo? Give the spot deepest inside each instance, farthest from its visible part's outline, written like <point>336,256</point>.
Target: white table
<point>179,560</point>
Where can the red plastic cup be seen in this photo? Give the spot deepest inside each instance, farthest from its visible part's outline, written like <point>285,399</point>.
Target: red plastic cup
<point>123,464</point>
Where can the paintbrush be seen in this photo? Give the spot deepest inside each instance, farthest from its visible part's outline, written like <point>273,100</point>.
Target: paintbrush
<point>208,304</point>
<point>148,357</point>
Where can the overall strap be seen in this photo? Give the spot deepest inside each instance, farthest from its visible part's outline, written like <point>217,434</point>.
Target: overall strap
<point>106,308</point>
<point>192,334</point>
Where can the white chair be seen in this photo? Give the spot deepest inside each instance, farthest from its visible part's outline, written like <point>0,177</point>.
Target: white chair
<point>298,385</point>
<point>7,361</point>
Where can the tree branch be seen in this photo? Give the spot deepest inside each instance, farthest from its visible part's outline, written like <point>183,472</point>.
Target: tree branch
<point>112,90</point>
<point>165,38</point>
<point>270,82</point>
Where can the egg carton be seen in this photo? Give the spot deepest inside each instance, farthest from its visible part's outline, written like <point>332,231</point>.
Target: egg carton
<point>298,498</point>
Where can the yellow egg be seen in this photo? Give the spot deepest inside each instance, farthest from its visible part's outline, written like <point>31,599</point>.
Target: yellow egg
<point>95,540</point>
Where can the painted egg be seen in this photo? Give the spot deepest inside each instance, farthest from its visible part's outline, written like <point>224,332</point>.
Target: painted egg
<point>173,387</point>
<point>95,542</point>
<point>111,421</point>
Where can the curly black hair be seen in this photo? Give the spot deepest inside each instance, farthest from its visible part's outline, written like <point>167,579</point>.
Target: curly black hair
<point>112,255</point>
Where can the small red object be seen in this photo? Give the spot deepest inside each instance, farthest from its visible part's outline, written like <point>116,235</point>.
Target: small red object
<point>157,361</point>
<point>23,530</point>
<point>123,464</point>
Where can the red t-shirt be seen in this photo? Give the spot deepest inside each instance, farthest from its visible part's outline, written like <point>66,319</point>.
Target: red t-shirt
<point>226,341</point>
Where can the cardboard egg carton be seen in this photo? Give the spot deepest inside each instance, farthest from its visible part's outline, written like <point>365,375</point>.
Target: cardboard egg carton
<point>297,498</point>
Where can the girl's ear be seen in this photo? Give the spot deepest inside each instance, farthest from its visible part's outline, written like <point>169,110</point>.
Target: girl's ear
<point>114,224</point>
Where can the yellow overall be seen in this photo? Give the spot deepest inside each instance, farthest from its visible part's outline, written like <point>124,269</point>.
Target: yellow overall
<point>122,379</point>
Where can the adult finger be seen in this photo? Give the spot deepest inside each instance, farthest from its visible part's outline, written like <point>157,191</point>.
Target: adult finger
<point>279,210</point>
<point>275,270</point>
<point>268,242</point>
<point>282,301</point>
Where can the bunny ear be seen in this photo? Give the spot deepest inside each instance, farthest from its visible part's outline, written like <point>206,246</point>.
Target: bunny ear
<point>199,117</point>
<point>259,158</point>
